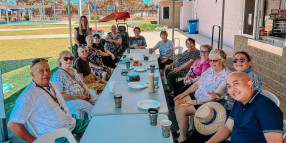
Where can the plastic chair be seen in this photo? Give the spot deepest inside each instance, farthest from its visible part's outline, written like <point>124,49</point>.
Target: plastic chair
<point>78,114</point>
<point>31,129</point>
<point>284,129</point>
<point>271,96</point>
<point>53,135</point>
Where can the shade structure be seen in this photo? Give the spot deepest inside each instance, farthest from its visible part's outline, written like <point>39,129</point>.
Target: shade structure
<point>116,16</point>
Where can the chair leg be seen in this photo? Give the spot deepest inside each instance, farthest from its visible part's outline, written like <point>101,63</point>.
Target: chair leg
<point>191,124</point>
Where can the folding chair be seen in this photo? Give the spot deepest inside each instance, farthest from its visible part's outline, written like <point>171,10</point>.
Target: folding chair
<point>53,135</point>
<point>271,96</point>
<point>284,129</point>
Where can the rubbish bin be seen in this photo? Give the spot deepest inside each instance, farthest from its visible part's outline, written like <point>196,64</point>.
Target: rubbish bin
<point>193,25</point>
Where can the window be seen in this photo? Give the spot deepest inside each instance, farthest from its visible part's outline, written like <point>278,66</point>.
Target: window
<point>165,12</point>
<point>249,18</point>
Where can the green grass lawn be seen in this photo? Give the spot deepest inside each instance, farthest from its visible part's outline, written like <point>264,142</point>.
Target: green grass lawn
<point>32,26</point>
<point>43,32</point>
<point>16,56</point>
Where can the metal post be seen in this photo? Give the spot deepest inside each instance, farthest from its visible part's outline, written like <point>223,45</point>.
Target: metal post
<point>7,17</point>
<point>55,12</point>
<point>95,21</point>
<point>3,125</point>
<point>79,10</point>
<point>173,22</point>
<point>41,12</point>
<point>69,13</point>
<point>88,12</point>
<point>222,24</point>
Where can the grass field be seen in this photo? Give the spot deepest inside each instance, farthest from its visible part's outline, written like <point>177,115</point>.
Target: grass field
<point>16,56</point>
<point>43,32</point>
<point>32,26</point>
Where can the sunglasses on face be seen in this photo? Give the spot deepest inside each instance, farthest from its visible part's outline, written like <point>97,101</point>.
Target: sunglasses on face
<point>204,52</point>
<point>242,60</point>
<point>37,60</point>
<point>68,58</point>
<point>215,61</point>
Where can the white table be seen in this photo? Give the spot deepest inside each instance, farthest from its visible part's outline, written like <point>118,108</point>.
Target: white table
<point>130,97</point>
<point>131,128</point>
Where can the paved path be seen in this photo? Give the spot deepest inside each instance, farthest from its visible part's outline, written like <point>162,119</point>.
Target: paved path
<point>46,28</point>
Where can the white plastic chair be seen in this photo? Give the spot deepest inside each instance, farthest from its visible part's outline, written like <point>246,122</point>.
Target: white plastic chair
<point>271,96</point>
<point>53,135</point>
<point>284,129</point>
<point>31,129</point>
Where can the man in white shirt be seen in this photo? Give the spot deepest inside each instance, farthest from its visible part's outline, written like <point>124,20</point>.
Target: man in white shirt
<point>43,106</point>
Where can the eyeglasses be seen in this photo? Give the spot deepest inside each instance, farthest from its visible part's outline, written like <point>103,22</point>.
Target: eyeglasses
<point>68,58</point>
<point>204,52</point>
<point>37,60</point>
<point>242,60</point>
<point>215,61</point>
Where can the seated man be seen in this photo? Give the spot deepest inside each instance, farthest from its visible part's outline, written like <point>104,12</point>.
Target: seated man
<point>43,106</point>
<point>138,41</point>
<point>254,118</point>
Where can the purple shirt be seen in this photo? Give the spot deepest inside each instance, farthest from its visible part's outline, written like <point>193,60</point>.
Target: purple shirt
<point>197,69</point>
<point>210,81</point>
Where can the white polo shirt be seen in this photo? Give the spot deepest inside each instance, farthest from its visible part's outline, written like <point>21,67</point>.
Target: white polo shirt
<point>44,114</point>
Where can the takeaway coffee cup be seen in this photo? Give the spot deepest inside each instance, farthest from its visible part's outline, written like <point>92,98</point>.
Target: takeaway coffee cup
<point>150,51</point>
<point>166,128</point>
<point>153,116</point>
<point>128,65</point>
<point>128,50</point>
<point>152,68</point>
<point>156,81</point>
<point>111,86</point>
<point>118,100</point>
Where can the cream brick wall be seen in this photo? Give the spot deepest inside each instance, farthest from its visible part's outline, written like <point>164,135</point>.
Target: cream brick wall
<point>210,13</point>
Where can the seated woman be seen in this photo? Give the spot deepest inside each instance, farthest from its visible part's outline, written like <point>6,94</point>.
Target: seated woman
<point>194,74</point>
<point>69,83</point>
<point>114,42</point>
<point>166,50</point>
<point>95,61</point>
<point>209,87</point>
<point>107,57</point>
<point>242,62</point>
<point>183,62</point>
<point>138,41</point>
<point>83,69</point>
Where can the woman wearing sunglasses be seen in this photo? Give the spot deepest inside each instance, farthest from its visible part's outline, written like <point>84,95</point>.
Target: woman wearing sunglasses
<point>209,87</point>
<point>69,83</point>
<point>199,66</point>
<point>242,62</point>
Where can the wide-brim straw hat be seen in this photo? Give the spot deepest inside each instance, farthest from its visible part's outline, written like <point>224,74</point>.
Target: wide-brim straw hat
<point>210,117</point>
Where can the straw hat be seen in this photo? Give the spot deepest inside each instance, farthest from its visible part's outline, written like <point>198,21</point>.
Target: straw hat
<point>209,118</point>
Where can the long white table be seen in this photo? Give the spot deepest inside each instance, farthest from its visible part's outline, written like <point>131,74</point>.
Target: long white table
<point>130,97</point>
<point>131,128</point>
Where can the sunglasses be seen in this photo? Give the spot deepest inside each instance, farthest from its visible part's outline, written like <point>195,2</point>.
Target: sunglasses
<point>215,61</point>
<point>68,58</point>
<point>204,52</point>
<point>37,60</point>
<point>242,60</point>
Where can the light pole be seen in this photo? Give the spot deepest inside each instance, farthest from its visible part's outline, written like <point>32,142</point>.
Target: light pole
<point>7,17</point>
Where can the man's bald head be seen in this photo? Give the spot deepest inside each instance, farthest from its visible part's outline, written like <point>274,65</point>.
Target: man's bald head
<point>40,71</point>
<point>239,86</point>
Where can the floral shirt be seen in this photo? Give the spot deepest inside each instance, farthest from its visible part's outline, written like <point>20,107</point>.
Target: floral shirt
<point>111,46</point>
<point>94,57</point>
<point>210,81</point>
<point>257,84</point>
<point>197,69</point>
<point>185,57</point>
<point>66,84</point>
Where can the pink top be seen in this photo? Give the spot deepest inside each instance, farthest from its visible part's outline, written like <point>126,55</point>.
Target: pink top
<point>197,70</point>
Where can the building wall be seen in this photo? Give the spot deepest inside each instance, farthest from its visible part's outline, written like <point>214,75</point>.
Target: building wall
<point>268,61</point>
<point>209,13</point>
<point>168,22</point>
<point>273,4</point>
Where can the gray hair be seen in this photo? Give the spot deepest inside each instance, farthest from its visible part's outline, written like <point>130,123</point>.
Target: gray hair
<point>80,48</point>
<point>219,53</point>
<point>87,37</point>
<point>115,28</point>
<point>207,46</point>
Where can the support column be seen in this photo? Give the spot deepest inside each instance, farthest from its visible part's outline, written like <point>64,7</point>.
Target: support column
<point>7,15</point>
<point>69,14</point>
<point>173,22</point>
<point>79,10</point>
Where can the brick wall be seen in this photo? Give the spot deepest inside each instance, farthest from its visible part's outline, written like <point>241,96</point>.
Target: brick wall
<point>210,13</point>
<point>268,61</point>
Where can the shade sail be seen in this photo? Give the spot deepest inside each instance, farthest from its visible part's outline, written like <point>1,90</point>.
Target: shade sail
<point>116,16</point>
